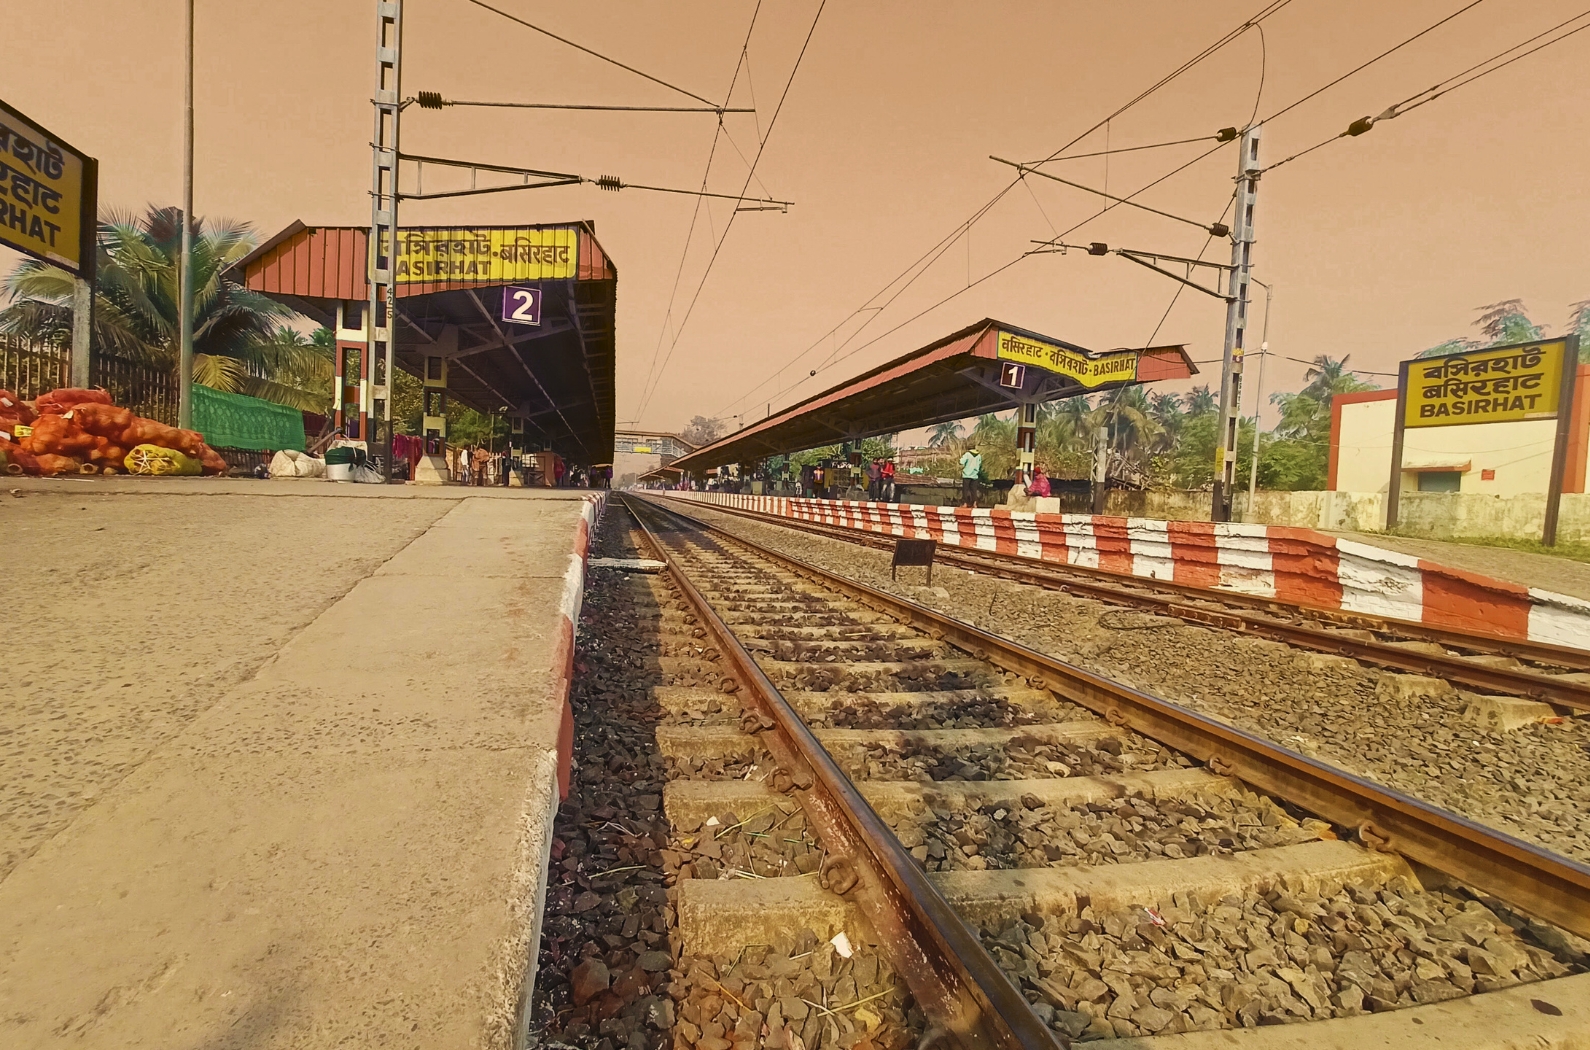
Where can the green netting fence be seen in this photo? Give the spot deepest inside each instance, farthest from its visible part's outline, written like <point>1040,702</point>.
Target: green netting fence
<point>237,421</point>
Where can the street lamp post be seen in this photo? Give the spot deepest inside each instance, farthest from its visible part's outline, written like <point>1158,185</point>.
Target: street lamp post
<point>1258,398</point>
<point>185,308</point>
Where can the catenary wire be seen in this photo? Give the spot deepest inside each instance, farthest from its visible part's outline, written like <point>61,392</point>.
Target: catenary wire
<point>927,258</point>
<point>588,51</point>
<point>1384,54</point>
<point>751,174</point>
<point>1409,104</point>
<point>695,215</point>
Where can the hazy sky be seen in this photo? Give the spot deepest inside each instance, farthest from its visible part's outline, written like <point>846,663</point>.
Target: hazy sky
<point>1378,246</point>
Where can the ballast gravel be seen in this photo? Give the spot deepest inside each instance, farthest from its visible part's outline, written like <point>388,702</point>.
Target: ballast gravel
<point>1532,782</point>
<point>611,974</point>
<point>1280,958</point>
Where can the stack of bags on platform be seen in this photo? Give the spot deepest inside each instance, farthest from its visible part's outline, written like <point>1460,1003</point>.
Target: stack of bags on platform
<point>75,431</point>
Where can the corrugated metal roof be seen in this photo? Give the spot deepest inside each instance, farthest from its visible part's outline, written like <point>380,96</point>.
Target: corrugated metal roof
<point>558,375</point>
<point>952,378</point>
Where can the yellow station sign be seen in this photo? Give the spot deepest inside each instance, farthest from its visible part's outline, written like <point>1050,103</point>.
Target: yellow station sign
<point>1505,385</point>
<point>1116,367</point>
<point>43,183</point>
<point>486,254</point>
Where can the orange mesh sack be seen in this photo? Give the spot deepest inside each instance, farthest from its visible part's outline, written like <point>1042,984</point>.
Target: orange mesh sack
<point>58,436</point>
<point>15,410</point>
<point>106,421</point>
<point>211,460</point>
<point>52,464</point>
<point>59,402</point>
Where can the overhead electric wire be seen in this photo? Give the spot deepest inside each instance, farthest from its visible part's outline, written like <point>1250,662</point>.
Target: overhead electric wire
<point>930,256</point>
<point>588,51</point>
<point>1359,69</point>
<point>433,100</point>
<point>751,174</point>
<point>1001,269</point>
<point>1123,149</point>
<point>1442,87</point>
<point>1025,170</point>
<point>695,215</point>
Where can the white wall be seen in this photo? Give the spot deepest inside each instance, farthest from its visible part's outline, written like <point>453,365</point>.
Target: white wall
<point>1519,453</point>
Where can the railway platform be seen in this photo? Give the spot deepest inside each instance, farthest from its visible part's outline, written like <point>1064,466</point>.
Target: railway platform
<point>297,794</point>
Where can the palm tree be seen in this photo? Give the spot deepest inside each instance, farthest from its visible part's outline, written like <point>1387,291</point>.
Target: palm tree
<point>239,346</point>
<point>1201,401</point>
<point>1501,324</point>
<point>944,435</point>
<point>1328,377</point>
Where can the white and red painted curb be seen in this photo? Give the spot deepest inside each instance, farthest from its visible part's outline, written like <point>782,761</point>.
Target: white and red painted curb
<point>1291,565</point>
<point>568,622</point>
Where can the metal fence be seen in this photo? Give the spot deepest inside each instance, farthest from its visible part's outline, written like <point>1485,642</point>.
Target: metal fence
<point>29,368</point>
<point>149,392</point>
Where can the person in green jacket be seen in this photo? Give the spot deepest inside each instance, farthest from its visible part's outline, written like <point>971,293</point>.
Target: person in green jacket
<point>971,468</point>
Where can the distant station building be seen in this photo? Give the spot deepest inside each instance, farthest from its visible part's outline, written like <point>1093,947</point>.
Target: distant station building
<point>511,320</point>
<point>641,452</point>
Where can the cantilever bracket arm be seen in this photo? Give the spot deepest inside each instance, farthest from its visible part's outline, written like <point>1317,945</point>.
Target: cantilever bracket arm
<point>1131,257</point>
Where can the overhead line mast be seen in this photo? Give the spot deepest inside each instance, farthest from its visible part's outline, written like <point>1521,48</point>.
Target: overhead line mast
<point>1248,172</point>
<point>380,325</point>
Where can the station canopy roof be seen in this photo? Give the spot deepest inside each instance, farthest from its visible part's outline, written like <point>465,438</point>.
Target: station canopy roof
<point>990,366</point>
<point>456,300</point>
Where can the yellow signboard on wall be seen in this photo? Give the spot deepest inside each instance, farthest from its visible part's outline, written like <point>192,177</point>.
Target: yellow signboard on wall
<point>1117,367</point>
<point>486,255</point>
<point>46,189</point>
<point>1505,385</point>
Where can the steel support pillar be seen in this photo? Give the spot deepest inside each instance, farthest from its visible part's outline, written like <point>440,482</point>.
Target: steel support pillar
<point>375,406</point>
<point>1236,325</point>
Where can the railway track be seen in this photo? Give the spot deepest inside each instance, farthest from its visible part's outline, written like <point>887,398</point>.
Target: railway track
<point>1045,856</point>
<point>1553,674</point>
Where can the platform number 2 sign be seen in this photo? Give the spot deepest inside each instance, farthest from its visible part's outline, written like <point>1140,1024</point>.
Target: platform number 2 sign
<point>521,305</point>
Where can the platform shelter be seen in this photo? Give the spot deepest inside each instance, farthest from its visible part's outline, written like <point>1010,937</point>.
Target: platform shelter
<point>990,366</point>
<point>516,320</point>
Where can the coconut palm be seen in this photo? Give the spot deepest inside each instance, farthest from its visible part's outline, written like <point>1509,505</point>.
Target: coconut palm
<point>1201,401</point>
<point>238,343</point>
<point>1328,377</point>
<point>944,435</point>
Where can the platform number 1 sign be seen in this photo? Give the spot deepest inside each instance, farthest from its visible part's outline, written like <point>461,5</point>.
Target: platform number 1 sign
<point>521,305</point>
<point>1011,375</point>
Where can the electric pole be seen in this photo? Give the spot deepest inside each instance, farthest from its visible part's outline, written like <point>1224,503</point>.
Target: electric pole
<point>1236,325</point>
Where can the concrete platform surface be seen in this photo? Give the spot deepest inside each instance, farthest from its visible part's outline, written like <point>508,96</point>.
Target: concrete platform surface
<point>279,772</point>
<point>1547,572</point>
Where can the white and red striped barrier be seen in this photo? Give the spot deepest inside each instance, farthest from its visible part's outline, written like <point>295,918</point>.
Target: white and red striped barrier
<point>568,621</point>
<point>1291,565</point>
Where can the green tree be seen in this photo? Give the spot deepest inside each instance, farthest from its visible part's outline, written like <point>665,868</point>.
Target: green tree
<point>1579,324</point>
<point>1501,324</point>
<point>238,336</point>
<point>1202,401</point>
<point>1328,377</point>
<point>945,435</point>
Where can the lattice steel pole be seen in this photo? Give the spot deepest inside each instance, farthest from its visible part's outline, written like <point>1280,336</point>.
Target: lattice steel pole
<point>375,403</point>
<point>1236,325</point>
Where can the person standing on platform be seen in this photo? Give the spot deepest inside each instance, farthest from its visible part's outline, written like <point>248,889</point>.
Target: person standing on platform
<point>886,473</point>
<point>971,468</point>
<point>875,480</point>
<point>478,463</point>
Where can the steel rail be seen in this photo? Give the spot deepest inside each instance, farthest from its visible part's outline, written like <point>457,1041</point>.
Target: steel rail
<point>1139,590</point>
<point>952,977</point>
<point>1531,879</point>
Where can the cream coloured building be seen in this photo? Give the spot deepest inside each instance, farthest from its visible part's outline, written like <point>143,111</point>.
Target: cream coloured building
<point>1498,459</point>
